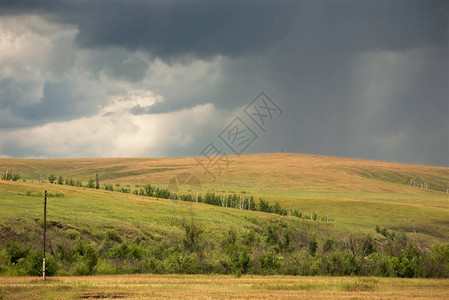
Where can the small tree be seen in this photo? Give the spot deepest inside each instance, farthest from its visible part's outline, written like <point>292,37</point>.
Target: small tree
<point>191,240</point>
<point>90,183</point>
<point>10,176</point>
<point>313,246</point>
<point>7,175</point>
<point>296,213</point>
<point>277,208</point>
<point>60,180</point>
<point>252,203</point>
<point>264,206</point>
<point>51,178</point>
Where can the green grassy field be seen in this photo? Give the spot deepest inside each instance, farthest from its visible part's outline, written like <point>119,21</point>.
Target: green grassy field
<point>91,210</point>
<point>356,194</point>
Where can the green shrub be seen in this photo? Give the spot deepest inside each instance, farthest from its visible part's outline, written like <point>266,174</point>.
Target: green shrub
<point>112,234</point>
<point>265,263</point>
<point>90,183</point>
<point>377,264</point>
<point>367,246</point>
<point>436,263</point>
<point>301,263</point>
<point>191,240</point>
<point>264,206</point>
<point>81,269</point>
<point>351,264</point>
<point>409,261</point>
<point>104,268</point>
<point>51,178</point>
<point>34,264</point>
<point>87,258</point>
<point>333,263</point>
<point>313,246</point>
<point>90,258</point>
<point>120,251</point>
<point>16,251</point>
<point>329,245</point>
<point>108,187</point>
<point>10,176</point>
<point>154,266</point>
<point>182,263</point>
<point>272,237</point>
<point>72,234</point>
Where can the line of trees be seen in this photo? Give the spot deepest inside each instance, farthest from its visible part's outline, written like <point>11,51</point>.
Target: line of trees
<point>223,200</point>
<point>60,180</point>
<point>211,198</point>
<point>238,202</point>
<point>68,181</point>
<point>247,203</point>
<point>268,248</point>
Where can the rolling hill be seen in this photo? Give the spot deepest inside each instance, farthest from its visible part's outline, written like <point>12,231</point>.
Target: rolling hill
<point>351,197</point>
<point>357,194</point>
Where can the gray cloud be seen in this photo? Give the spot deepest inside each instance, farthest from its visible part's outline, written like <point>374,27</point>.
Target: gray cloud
<point>363,79</point>
<point>116,63</point>
<point>59,102</point>
<point>171,29</point>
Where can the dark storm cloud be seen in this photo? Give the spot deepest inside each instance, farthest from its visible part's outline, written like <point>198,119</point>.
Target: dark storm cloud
<point>171,29</point>
<point>60,102</point>
<point>14,92</point>
<point>117,63</point>
<point>319,59</point>
<point>299,31</point>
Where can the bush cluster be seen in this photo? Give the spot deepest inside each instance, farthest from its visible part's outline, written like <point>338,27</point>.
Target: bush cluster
<point>9,175</point>
<point>275,248</point>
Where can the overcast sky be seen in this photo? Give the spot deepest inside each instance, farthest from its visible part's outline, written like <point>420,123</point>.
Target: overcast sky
<point>366,79</point>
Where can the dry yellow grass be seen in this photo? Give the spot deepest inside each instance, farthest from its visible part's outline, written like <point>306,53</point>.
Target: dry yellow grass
<point>292,172</point>
<point>222,287</point>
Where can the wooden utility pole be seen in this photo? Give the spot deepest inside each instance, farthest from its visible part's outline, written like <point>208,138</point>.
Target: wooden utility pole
<point>97,181</point>
<point>45,232</point>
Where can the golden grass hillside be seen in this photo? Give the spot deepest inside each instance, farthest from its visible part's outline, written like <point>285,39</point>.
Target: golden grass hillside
<point>290,172</point>
<point>355,194</point>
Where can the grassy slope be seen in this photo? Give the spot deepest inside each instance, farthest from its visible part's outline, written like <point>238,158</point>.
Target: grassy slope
<point>92,212</point>
<point>356,194</point>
